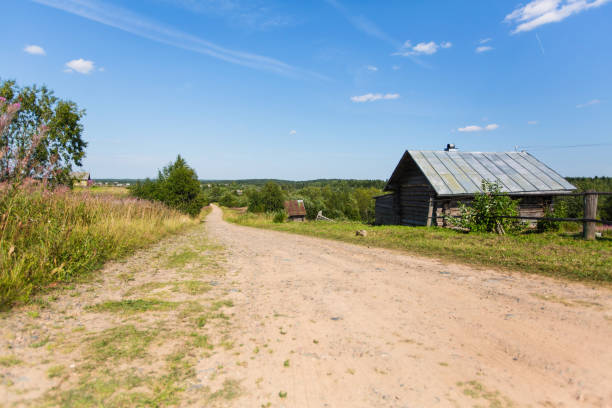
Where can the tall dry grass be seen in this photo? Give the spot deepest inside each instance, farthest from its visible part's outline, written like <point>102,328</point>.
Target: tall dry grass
<point>56,235</point>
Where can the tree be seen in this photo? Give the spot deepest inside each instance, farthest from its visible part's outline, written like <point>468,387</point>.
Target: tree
<point>177,186</point>
<point>269,199</point>
<point>60,146</point>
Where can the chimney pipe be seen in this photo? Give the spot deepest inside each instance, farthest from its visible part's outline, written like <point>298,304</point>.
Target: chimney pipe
<point>450,147</point>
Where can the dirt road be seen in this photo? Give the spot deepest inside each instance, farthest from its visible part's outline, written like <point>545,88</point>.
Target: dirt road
<point>369,327</point>
<point>268,319</point>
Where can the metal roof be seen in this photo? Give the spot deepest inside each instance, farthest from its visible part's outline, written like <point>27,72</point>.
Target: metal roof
<point>295,208</point>
<point>458,173</point>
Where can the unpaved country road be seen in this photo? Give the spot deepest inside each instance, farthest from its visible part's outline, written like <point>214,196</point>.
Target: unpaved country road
<point>364,327</point>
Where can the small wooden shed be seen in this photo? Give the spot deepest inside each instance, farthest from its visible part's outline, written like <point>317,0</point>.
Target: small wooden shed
<point>427,185</point>
<point>81,179</point>
<point>296,210</point>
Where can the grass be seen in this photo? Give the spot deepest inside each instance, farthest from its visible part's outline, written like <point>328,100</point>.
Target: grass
<point>121,342</point>
<point>554,254</point>
<point>133,306</point>
<point>9,361</point>
<point>48,237</point>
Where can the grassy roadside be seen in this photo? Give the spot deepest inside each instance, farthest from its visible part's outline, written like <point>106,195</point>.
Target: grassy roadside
<point>48,237</point>
<point>552,254</point>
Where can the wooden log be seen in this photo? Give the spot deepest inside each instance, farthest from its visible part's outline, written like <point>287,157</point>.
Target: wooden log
<point>590,212</point>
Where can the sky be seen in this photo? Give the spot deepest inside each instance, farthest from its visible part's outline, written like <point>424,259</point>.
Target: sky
<point>320,88</point>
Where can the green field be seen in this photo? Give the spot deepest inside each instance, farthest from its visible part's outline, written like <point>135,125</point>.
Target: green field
<point>562,255</point>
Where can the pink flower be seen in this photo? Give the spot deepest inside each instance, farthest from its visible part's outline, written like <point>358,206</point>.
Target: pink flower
<point>2,99</point>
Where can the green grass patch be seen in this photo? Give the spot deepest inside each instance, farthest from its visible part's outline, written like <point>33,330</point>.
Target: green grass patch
<point>182,258</point>
<point>231,390</point>
<point>133,306</point>
<point>122,342</point>
<point>9,361</point>
<point>56,371</point>
<point>553,254</point>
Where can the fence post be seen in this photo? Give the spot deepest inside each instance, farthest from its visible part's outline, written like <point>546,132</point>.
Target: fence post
<point>590,212</point>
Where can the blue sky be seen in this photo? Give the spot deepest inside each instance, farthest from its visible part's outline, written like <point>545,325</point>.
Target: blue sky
<point>320,88</point>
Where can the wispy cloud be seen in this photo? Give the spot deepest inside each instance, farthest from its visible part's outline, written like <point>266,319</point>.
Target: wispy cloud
<point>249,14</point>
<point>34,50</point>
<point>476,128</point>
<point>370,97</point>
<point>80,65</point>
<point>485,40</point>
<point>292,132</point>
<point>532,122</point>
<point>372,68</point>
<point>133,23</point>
<point>589,103</point>
<point>540,12</point>
<point>363,24</point>
<point>422,48</point>
<point>483,48</point>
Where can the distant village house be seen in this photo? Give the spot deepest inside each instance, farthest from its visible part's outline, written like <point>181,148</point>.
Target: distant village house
<point>296,211</point>
<point>428,185</point>
<point>81,179</point>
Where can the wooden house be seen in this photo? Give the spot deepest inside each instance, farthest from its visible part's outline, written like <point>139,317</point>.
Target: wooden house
<point>81,179</point>
<point>428,185</point>
<point>296,211</point>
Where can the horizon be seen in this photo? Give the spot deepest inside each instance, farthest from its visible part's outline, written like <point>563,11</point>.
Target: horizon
<point>320,90</point>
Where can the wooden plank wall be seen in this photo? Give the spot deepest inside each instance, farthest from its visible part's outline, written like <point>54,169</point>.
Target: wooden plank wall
<point>384,210</point>
<point>414,203</point>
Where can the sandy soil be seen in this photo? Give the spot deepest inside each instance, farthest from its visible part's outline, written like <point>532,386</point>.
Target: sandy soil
<point>314,323</point>
<point>366,327</point>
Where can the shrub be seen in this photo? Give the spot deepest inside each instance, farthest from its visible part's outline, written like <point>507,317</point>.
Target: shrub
<point>483,215</point>
<point>549,226</point>
<point>177,186</point>
<point>279,217</point>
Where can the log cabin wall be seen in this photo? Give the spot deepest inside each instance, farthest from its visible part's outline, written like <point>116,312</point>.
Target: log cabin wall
<point>385,215</point>
<point>414,201</point>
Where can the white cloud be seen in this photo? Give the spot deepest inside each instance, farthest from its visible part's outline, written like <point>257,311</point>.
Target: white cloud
<point>395,67</point>
<point>80,65</point>
<point>101,69</point>
<point>532,122</point>
<point>370,97</point>
<point>589,103</point>
<point>476,128</point>
<point>485,40</point>
<point>540,12</point>
<point>372,68</point>
<point>422,48</point>
<point>292,132</point>
<point>35,50</point>
<point>483,48</point>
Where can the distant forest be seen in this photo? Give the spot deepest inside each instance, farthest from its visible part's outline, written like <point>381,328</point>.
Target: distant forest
<point>353,199</point>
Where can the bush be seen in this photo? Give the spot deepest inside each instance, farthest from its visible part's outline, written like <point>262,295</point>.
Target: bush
<point>280,217</point>
<point>483,215</point>
<point>549,226</point>
<point>177,186</point>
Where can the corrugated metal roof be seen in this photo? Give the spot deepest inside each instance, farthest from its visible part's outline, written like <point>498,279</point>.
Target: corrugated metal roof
<point>457,173</point>
<point>295,208</point>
